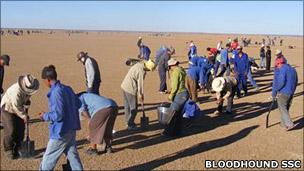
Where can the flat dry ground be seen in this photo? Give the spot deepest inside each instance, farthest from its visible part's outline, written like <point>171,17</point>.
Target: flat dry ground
<point>242,137</point>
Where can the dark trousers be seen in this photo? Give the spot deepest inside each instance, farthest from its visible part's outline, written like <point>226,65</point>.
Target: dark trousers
<point>162,77</point>
<point>175,126</point>
<point>94,89</point>
<point>284,102</point>
<point>14,128</point>
<point>241,84</point>
<point>268,63</point>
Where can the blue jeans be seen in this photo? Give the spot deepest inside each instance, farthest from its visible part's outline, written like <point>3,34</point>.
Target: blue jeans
<point>263,62</point>
<point>250,78</point>
<point>55,148</point>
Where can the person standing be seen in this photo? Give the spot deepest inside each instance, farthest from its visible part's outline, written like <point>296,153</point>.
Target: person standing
<point>162,57</point>
<point>283,88</point>
<point>64,122</point>
<point>144,51</point>
<point>249,75</point>
<point>192,50</point>
<point>4,60</point>
<point>225,88</point>
<point>92,73</point>
<point>133,86</point>
<point>241,69</point>
<point>101,113</point>
<point>262,57</point>
<point>268,58</point>
<point>279,56</point>
<point>224,64</point>
<point>14,106</point>
<point>219,45</point>
<point>178,95</point>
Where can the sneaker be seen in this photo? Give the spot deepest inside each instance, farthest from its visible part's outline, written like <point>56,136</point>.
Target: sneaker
<point>13,155</point>
<point>289,128</point>
<point>92,151</point>
<point>257,89</point>
<point>109,150</point>
<point>216,112</point>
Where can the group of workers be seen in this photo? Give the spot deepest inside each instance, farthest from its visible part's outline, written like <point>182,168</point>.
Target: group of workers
<point>67,108</point>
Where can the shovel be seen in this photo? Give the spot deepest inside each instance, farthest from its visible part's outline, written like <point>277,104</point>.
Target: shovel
<point>144,121</point>
<point>269,110</point>
<point>27,147</point>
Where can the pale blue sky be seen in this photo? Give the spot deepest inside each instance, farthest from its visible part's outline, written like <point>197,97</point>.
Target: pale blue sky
<point>249,17</point>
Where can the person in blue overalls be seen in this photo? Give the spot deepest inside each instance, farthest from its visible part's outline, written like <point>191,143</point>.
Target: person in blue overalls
<point>241,69</point>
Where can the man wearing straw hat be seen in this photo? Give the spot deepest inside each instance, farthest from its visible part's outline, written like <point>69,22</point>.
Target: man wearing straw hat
<point>14,114</point>
<point>133,85</point>
<point>178,95</point>
<point>225,88</point>
<point>92,73</point>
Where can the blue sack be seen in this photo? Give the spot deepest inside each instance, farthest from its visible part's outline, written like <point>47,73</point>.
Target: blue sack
<point>191,109</point>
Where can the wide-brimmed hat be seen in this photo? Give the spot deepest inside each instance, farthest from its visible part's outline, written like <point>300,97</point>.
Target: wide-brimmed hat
<point>172,62</point>
<point>28,84</point>
<point>150,65</point>
<point>218,84</point>
<point>278,51</point>
<point>81,55</point>
<point>6,59</point>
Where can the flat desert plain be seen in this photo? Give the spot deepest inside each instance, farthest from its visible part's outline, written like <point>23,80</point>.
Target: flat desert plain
<point>239,137</point>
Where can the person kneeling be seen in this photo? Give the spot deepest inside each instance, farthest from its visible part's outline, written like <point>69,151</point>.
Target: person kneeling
<point>101,113</point>
<point>225,88</point>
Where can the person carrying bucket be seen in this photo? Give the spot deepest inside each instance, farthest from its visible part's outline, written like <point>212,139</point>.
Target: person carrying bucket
<point>178,95</point>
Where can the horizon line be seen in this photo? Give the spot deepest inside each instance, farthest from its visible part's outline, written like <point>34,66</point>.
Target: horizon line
<point>178,32</point>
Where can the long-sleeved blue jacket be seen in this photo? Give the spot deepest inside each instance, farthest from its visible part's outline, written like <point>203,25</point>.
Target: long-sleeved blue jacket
<point>192,52</point>
<point>63,110</point>
<point>285,80</point>
<point>145,52</point>
<point>205,71</point>
<point>194,72</point>
<point>241,64</point>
